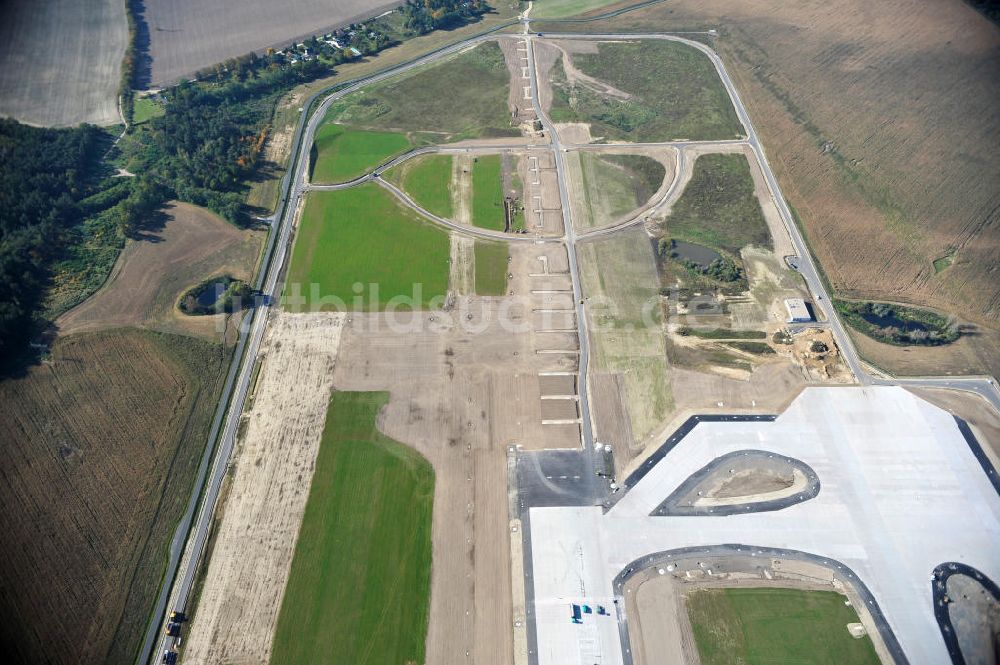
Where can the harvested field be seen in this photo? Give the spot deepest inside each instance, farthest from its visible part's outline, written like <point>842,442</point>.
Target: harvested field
<point>186,36</point>
<point>368,518</point>
<point>60,61</point>
<point>642,91</point>
<point>563,8</point>
<point>101,445</point>
<point>341,153</point>
<point>153,272</point>
<point>363,236</point>
<point>257,527</point>
<point>900,176</point>
<point>775,625</point>
<point>428,181</point>
<point>461,97</point>
<point>619,279</point>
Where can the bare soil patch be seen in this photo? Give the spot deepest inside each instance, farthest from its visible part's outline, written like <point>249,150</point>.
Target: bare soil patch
<point>101,443</point>
<point>152,273</point>
<point>257,529</point>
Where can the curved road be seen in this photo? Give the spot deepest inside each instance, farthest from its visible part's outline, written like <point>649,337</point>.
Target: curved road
<point>188,545</point>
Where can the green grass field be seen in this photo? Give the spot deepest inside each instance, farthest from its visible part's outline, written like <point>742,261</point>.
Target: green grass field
<point>359,585</point>
<point>614,185</point>
<point>491,268</point>
<point>776,626</point>
<point>427,180</point>
<point>144,109</point>
<point>487,193</point>
<point>462,97</point>
<point>341,153</point>
<point>363,235</point>
<point>718,207</point>
<point>676,94</point>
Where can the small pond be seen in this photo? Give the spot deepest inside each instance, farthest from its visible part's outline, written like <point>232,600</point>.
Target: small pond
<point>689,251</point>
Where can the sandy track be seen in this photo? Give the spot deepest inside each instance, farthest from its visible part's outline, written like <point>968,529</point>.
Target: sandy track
<point>238,608</point>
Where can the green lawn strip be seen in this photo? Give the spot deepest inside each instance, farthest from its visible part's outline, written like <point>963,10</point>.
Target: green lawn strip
<point>721,333</point>
<point>359,584</point>
<point>487,193</point>
<point>758,348</point>
<point>341,153</point>
<point>462,97</point>
<point>676,94</point>
<point>718,207</point>
<point>145,109</point>
<point>363,235</point>
<point>427,180</point>
<point>491,268</point>
<point>775,626</point>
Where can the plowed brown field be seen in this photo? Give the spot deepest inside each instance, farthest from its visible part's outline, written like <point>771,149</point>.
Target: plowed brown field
<point>100,444</point>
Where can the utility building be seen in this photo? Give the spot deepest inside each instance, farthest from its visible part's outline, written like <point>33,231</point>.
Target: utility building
<point>797,310</point>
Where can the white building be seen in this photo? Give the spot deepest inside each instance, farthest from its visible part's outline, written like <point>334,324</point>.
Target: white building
<point>797,310</point>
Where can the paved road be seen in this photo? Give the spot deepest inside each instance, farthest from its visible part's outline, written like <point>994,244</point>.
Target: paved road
<point>193,529</point>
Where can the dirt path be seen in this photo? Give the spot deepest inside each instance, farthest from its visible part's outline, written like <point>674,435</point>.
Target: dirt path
<point>461,188</point>
<point>462,277</point>
<point>255,537</point>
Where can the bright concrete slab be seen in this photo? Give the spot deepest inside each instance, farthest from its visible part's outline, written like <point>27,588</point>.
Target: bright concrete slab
<point>901,492</point>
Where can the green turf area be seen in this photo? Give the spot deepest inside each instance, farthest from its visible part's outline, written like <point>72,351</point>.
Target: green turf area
<point>487,193</point>
<point>757,348</point>
<point>491,268</point>
<point>364,235</point>
<point>462,97</point>
<point>427,180</point>
<point>144,109</point>
<point>614,185</point>
<point>340,153</point>
<point>563,8</point>
<point>721,333</point>
<point>359,585</point>
<point>718,207</point>
<point>768,626</point>
<point>675,93</point>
